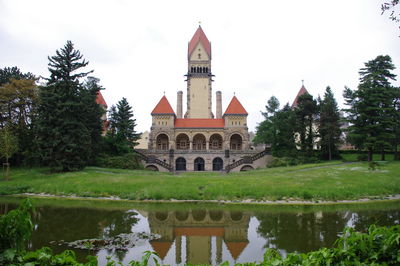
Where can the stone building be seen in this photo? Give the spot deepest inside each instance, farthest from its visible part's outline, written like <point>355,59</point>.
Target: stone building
<point>198,140</point>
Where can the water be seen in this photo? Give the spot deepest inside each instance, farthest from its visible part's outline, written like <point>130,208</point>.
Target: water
<point>200,233</point>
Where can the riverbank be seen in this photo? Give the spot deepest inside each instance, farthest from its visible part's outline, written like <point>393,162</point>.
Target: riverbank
<point>325,182</point>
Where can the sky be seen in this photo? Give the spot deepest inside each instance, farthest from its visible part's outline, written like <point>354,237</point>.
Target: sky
<point>138,49</point>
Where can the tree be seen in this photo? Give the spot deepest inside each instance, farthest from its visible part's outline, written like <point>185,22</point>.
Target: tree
<point>63,135</point>
<point>396,140</point>
<point>329,125</point>
<point>91,114</point>
<point>306,112</point>
<point>8,146</point>
<point>277,130</point>
<point>121,137</point>
<point>390,7</point>
<point>18,108</point>
<point>371,111</point>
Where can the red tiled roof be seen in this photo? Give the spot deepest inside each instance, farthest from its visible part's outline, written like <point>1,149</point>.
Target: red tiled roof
<point>235,108</point>
<point>199,123</point>
<point>161,248</point>
<point>301,92</point>
<point>236,248</point>
<point>100,100</point>
<point>163,107</point>
<point>199,36</point>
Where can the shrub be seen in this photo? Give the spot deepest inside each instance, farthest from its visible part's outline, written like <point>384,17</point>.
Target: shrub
<point>126,161</point>
<point>362,157</point>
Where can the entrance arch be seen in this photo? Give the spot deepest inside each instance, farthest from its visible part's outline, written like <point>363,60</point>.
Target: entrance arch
<point>247,168</point>
<point>162,142</point>
<point>199,164</point>
<point>218,164</point>
<point>236,142</point>
<point>199,142</point>
<point>152,168</point>
<point>180,164</point>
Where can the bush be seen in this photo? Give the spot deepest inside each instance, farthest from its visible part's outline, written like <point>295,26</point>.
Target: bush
<point>283,161</point>
<point>126,161</point>
<point>362,157</point>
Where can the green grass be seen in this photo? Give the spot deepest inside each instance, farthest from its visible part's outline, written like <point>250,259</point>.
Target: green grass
<point>326,181</point>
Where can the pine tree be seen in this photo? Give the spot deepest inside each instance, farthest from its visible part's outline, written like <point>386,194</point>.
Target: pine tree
<point>371,107</point>
<point>306,112</point>
<point>63,136</point>
<point>277,130</point>
<point>329,125</point>
<point>121,137</point>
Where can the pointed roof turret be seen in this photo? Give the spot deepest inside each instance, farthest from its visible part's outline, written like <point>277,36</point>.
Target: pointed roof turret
<point>161,248</point>
<point>163,108</point>
<point>236,248</point>
<point>199,36</point>
<point>235,108</point>
<point>301,92</point>
<point>100,100</point>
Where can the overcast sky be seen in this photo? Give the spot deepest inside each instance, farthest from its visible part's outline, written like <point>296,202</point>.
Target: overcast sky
<point>138,49</point>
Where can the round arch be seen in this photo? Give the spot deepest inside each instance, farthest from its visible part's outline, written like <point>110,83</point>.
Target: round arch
<point>236,142</point>
<point>247,168</point>
<point>216,142</point>
<point>152,168</point>
<point>199,164</point>
<point>182,142</point>
<point>199,142</point>
<point>180,164</point>
<point>162,142</point>
<point>218,164</point>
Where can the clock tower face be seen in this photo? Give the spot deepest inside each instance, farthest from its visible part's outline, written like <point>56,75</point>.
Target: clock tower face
<point>199,77</point>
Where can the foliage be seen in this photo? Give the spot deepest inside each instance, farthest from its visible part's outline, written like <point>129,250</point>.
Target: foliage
<point>121,137</point>
<point>306,113</point>
<point>65,135</point>
<point>371,111</point>
<point>8,146</point>
<point>16,228</point>
<point>390,7</point>
<point>329,126</point>
<point>277,130</point>
<point>18,109</point>
<point>126,161</point>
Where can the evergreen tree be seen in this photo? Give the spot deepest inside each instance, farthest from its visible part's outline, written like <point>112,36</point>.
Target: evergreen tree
<point>91,115</point>
<point>277,130</point>
<point>121,137</point>
<point>306,114</point>
<point>329,126</point>
<point>396,140</point>
<point>371,111</point>
<point>63,137</point>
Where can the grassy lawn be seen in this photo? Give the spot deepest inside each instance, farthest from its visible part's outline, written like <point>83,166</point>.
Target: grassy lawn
<point>325,181</point>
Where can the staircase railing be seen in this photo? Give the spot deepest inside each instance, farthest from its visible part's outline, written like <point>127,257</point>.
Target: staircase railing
<point>148,159</point>
<point>250,159</point>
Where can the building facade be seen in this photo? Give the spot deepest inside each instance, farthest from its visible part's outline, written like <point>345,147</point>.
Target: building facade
<point>198,140</point>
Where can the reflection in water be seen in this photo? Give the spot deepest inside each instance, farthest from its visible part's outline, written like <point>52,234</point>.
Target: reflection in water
<point>195,231</point>
<point>204,235</point>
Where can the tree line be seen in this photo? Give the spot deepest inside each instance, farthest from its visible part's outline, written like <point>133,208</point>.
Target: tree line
<point>316,128</point>
<point>57,122</point>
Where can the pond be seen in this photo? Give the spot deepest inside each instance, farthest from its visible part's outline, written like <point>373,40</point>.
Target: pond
<point>197,233</point>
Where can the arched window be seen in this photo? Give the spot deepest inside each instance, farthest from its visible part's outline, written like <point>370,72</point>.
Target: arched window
<point>215,142</point>
<point>182,142</point>
<point>199,164</point>
<point>218,164</point>
<point>198,69</point>
<point>162,142</point>
<point>236,142</point>
<point>206,69</point>
<point>180,164</point>
<point>199,142</point>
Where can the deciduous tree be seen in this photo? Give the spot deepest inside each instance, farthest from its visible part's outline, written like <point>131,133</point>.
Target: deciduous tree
<point>8,146</point>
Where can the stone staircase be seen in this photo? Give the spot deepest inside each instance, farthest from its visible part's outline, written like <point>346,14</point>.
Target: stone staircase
<point>153,160</point>
<point>246,160</point>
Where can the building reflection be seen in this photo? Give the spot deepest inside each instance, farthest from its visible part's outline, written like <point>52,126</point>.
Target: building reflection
<point>199,234</point>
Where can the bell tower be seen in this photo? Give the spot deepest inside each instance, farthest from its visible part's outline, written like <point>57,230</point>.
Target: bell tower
<point>199,77</point>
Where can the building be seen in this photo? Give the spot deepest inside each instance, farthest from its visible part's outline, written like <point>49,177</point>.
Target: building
<point>198,140</point>
<point>100,101</point>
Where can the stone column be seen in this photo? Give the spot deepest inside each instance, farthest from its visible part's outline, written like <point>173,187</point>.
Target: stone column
<point>191,145</point>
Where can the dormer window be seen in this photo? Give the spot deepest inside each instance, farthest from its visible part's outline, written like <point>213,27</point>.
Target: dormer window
<point>199,55</point>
